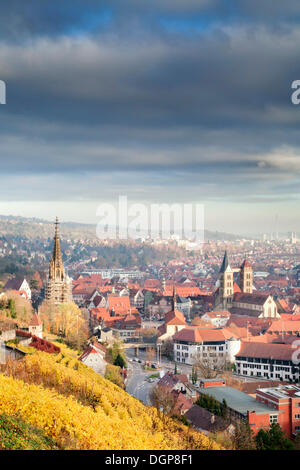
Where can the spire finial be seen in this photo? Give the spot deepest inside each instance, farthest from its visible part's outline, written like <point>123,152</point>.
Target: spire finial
<point>56,226</point>
<point>174,298</point>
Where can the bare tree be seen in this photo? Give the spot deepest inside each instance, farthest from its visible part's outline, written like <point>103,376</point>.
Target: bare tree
<point>210,366</point>
<point>150,354</point>
<point>163,400</point>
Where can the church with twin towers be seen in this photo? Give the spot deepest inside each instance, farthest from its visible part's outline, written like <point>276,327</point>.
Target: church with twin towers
<point>239,296</point>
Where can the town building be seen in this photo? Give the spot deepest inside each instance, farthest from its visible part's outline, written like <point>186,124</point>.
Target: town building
<point>94,357</point>
<point>35,326</point>
<point>260,414</point>
<point>20,285</point>
<point>174,322</point>
<point>217,319</point>
<point>206,422</point>
<point>267,360</point>
<point>209,345</point>
<point>285,399</point>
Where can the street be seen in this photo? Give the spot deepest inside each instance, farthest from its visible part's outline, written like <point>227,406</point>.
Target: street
<point>136,384</point>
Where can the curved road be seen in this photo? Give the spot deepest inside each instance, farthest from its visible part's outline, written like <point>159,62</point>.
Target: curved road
<point>136,384</point>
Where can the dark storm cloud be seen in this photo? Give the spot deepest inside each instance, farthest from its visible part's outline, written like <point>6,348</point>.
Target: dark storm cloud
<point>90,98</point>
<point>20,19</point>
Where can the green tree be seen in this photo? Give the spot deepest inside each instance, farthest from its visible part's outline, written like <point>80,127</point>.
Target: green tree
<point>12,308</point>
<point>224,409</point>
<point>194,375</point>
<point>120,361</point>
<point>273,439</point>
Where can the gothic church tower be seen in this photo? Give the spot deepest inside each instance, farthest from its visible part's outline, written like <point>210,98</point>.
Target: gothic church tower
<point>58,288</point>
<point>226,283</point>
<point>246,277</point>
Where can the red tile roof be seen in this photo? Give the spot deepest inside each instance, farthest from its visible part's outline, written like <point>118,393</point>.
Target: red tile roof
<point>253,299</point>
<point>199,335</point>
<point>35,320</point>
<point>266,350</point>
<point>286,326</point>
<point>174,317</point>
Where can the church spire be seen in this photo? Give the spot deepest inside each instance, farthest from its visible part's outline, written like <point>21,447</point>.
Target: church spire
<point>56,265</point>
<point>225,263</point>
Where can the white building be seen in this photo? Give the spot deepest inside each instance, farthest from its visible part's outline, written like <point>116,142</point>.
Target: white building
<point>217,319</point>
<point>94,357</point>
<point>192,344</point>
<point>35,326</point>
<point>20,285</point>
<point>267,360</point>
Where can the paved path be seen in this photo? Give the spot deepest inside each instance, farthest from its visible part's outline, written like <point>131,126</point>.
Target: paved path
<point>136,384</point>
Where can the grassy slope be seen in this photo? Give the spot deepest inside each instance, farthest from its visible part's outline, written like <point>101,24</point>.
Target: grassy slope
<point>16,434</point>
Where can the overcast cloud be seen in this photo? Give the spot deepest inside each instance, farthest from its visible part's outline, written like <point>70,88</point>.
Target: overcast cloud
<point>165,101</point>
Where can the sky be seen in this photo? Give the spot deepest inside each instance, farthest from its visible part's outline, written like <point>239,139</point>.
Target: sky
<point>169,101</point>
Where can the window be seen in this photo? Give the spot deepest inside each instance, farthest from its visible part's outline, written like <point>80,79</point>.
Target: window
<point>273,419</point>
<point>297,416</point>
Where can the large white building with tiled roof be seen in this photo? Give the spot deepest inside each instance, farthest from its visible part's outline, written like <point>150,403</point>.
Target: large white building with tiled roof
<point>267,360</point>
<point>192,344</point>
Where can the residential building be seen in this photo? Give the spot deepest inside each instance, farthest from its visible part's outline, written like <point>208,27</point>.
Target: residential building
<point>217,319</point>
<point>206,422</point>
<point>20,285</point>
<point>94,357</point>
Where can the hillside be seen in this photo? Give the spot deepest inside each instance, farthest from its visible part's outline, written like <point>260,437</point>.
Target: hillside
<point>78,409</point>
<point>33,228</point>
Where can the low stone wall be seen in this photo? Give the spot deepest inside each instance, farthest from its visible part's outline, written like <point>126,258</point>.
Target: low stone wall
<point>25,342</point>
<point>7,335</point>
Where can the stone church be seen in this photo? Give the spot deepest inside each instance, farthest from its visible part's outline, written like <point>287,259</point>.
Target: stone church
<point>58,287</point>
<point>238,297</point>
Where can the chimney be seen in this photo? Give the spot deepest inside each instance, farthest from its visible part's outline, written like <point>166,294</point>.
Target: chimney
<point>212,419</point>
